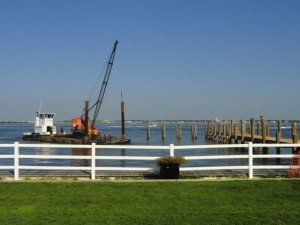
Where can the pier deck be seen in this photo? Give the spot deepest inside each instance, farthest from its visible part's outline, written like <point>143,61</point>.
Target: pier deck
<point>259,139</point>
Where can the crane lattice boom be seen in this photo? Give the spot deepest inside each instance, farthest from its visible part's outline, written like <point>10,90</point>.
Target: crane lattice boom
<point>98,103</point>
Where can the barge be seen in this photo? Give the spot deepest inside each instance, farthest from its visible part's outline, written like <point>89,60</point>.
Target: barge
<point>45,131</point>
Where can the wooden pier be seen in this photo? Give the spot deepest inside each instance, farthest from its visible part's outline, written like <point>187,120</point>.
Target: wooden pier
<point>257,132</point>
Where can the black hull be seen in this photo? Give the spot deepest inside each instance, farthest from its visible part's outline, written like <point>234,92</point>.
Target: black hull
<point>75,139</point>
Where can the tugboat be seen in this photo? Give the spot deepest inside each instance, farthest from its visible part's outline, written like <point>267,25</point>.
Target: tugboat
<point>43,127</point>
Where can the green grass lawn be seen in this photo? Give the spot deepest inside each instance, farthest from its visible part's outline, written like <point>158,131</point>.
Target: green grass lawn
<point>179,202</point>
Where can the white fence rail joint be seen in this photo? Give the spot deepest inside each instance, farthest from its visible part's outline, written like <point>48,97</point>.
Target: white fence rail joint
<point>93,157</point>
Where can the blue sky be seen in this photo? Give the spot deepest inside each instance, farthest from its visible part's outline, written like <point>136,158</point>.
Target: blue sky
<point>176,59</point>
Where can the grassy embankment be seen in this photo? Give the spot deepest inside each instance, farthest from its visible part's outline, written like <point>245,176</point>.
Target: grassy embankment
<point>183,202</point>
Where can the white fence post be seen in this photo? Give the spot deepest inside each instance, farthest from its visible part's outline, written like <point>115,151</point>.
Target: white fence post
<point>171,150</point>
<point>250,155</point>
<point>93,162</point>
<point>16,161</point>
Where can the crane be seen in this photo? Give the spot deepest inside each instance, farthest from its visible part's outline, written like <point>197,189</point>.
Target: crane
<point>79,123</point>
<point>98,103</point>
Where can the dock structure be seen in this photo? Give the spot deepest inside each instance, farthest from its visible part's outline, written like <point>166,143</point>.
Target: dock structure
<point>257,132</point>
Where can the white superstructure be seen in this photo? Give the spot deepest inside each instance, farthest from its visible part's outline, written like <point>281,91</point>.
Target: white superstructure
<point>44,125</point>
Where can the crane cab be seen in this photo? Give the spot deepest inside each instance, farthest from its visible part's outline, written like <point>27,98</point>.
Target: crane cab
<point>78,127</point>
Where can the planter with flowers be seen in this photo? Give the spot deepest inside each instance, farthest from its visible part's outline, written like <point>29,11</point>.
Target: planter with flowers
<point>169,166</point>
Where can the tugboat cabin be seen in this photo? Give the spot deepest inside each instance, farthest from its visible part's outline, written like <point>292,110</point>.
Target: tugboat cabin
<point>44,124</point>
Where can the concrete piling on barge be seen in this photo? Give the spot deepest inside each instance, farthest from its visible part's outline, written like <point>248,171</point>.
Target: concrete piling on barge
<point>123,117</point>
<point>86,129</point>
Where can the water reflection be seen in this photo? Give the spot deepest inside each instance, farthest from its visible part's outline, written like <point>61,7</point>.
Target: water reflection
<point>123,153</point>
<point>40,162</point>
<point>178,141</point>
<point>81,152</point>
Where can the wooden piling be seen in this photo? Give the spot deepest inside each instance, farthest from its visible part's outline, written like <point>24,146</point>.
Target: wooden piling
<point>148,132</point>
<point>225,129</point>
<point>223,134</point>
<point>207,130</point>
<point>264,133</point>
<point>219,132</point>
<point>294,136</point>
<point>230,132</point>
<point>178,131</point>
<point>243,131</point>
<point>252,128</point>
<point>258,129</point>
<point>236,141</point>
<point>263,129</point>
<point>194,131</point>
<point>278,136</point>
<point>215,133</point>
<point>163,132</point>
<point>267,131</point>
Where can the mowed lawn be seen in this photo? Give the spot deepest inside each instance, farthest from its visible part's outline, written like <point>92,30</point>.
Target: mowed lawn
<point>154,202</point>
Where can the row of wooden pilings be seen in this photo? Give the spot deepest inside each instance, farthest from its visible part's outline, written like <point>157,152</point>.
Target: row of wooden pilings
<point>259,132</point>
<point>194,134</point>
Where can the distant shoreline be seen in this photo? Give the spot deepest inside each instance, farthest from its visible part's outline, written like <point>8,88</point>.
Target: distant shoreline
<point>119,121</point>
<point>146,121</point>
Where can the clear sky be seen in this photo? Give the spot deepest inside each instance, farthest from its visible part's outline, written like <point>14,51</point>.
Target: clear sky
<point>176,59</point>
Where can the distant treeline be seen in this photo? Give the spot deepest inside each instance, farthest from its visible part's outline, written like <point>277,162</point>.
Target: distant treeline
<point>119,121</point>
<point>152,121</point>
<point>16,122</point>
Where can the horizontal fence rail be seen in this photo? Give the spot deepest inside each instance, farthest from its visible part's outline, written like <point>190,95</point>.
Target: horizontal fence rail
<point>16,156</point>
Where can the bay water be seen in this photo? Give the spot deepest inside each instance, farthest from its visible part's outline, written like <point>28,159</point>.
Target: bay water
<point>137,132</point>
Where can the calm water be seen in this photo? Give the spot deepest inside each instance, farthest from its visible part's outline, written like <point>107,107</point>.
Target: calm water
<point>9,133</point>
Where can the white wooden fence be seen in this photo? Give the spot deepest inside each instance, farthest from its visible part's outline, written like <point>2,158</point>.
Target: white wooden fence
<point>171,149</point>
